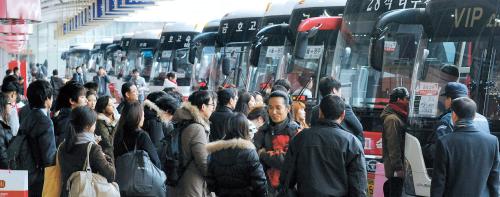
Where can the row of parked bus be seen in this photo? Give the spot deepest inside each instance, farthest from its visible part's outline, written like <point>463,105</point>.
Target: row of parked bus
<point>372,46</point>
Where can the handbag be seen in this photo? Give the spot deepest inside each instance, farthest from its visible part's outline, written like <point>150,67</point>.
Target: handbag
<point>138,176</point>
<point>52,183</point>
<point>87,184</point>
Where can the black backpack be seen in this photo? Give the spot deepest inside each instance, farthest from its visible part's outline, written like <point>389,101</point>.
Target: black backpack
<point>171,153</point>
<point>19,153</point>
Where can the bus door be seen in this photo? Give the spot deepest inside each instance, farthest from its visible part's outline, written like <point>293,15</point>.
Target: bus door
<point>491,109</point>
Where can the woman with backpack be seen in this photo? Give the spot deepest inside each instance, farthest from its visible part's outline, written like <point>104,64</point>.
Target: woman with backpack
<point>234,168</point>
<point>136,158</point>
<point>106,122</point>
<point>129,134</point>
<point>73,151</point>
<point>5,130</point>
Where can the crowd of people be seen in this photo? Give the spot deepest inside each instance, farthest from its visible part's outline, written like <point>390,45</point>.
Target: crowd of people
<point>230,142</point>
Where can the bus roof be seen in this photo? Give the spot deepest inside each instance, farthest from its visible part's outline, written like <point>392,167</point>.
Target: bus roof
<point>179,27</point>
<point>147,34</point>
<point>319,3</point>
<point>212,26</point>
<point>281,8</point>
<point>107,41</point>
<point>243,14</point>
<point>83,46</point>
<point>127,35</point>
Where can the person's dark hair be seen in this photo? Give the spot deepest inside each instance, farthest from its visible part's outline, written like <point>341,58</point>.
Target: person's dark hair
<point>258,112</point>
<point>70,91</point>
<point>8,72</point>
<point>76,68</point>
<point>10,87</point>
<point>100,67</point>
<point>398,93</point>
<point>10,84</point>
<point>153,96</point>
<point>464,107</point>
<point>81,118</point>
<point>91,86</point>
<point>242,103</point>
<point>283,82</point>
<point>91,92</point>
<point>130,120</point>
<point>55,72</point>
<point>281,94</point>
<point>16,69</point>
<point>4,101</point>
<point>279,88</point>
<point>200,97</point>
<point>170,75</point>
<point>450,70</point>
<point>168,104</point>
<point>225,95</point>
<point>126,88</point>
<point>238,127</point>
<point>135,70</point>
<point>168,90</point>
<point>102,103</point>
<point>304,80</point>
<point>38,92</point>
<point>332,107</point>
<point>326,84</point>
<point>177,95</point>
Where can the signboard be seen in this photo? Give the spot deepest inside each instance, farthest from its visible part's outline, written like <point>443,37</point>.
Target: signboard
<point>426,99</point>
<point>470,19</point>
<point>176,40</point>
<point>14,183</point>
<point>390,46</point>
<point>314,52</point>
<point>239,30</point>
<point>373,143</point>
<point>275,51</point>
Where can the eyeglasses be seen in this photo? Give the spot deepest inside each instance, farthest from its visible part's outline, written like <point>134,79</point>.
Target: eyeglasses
<point>212,104</point>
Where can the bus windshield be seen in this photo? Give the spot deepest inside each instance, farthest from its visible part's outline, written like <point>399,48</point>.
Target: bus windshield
<point>207,61</point>
<point>159,71</point>
<point>270,58</point>
<point>238,62</point>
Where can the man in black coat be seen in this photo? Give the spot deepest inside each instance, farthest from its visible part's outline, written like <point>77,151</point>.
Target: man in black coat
<point>330,85</point>
<point>326,160</point>
<point>38,126</point>
<point>226,102</point>
<point>467,161</point>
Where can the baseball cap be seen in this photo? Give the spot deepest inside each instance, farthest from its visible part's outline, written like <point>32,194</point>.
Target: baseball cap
<point>455,90</point>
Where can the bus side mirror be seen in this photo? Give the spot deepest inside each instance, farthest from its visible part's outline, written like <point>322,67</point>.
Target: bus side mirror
<point>226,66</point>
<point>254,54</point>
<point>192,54</point>
<point>301,45</point>
<point>376,53</point>
<point>303,41</point>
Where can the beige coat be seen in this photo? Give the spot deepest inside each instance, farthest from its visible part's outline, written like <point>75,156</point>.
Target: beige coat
<point>194,138</point>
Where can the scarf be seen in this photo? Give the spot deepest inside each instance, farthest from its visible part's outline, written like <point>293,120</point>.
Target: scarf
<point>400,108</point>
<point>85,137</point>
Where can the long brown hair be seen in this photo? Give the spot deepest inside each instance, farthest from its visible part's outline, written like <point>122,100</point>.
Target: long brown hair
<point>296,107</point>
